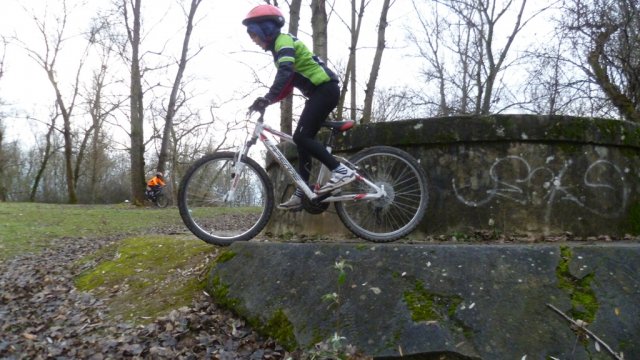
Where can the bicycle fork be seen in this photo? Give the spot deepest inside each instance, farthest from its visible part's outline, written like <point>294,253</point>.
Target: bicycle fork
<point>238,168</point>
<point>230,196</point>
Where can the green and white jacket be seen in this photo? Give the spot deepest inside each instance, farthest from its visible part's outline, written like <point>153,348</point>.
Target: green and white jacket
<point>297,67</point>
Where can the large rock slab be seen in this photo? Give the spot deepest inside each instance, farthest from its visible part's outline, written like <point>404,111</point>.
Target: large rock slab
<point>464,301</point>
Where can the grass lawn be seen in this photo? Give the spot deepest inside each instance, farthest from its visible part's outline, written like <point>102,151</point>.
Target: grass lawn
<point>27,227</point>
<point>144,275</point>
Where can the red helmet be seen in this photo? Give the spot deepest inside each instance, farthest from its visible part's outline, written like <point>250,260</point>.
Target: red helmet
<point>264,12</point>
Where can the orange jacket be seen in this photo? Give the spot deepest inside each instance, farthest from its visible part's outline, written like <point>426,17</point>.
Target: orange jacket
<point>155,181</point>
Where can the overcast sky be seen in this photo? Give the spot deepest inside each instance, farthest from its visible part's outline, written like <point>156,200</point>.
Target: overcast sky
<point>223,68</point>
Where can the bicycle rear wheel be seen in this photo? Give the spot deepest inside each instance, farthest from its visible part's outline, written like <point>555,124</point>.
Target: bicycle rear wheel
<point>395,215</point>
<point>162,201</point>
<point>215,215</point>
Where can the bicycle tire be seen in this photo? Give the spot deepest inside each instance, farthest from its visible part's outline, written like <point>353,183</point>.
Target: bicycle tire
<point>162,201</point>
<point>209,216</point>
<point>400,212</point>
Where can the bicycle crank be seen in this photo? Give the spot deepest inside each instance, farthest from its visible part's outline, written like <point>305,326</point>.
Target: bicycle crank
<point>315,206</point>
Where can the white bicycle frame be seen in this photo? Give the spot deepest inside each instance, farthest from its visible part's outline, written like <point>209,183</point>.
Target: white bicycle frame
<point>259,133</point>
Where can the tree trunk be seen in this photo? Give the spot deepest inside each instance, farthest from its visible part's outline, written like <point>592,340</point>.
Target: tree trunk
<point>95,110</point>
<point>375,67</point>
<point>95,159</point>
<point>137,107</point>
<point>172,108</point>
<point>495,66</point>
<point>624,105</point>
<point>68,140</point>
<point>48,62</point>
<point>350,73</point>
<point>353,77</point>
<point>286,106</point>
<point>82,149</point>
<point>45,159</point>
<point>3,160</point>
<point>319,26</point>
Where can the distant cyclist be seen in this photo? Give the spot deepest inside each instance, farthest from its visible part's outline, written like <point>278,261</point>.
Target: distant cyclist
<point>155,184</point>
<point>300,68</point>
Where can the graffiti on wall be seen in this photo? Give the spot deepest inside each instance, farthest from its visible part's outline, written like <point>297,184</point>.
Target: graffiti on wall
<point>601,189</point>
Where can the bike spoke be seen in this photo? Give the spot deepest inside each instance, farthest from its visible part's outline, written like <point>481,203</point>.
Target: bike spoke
<point>395,214</point>
<point>210,211</point>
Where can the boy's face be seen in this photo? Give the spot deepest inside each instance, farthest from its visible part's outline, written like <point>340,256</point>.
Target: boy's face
<point>256,39</point>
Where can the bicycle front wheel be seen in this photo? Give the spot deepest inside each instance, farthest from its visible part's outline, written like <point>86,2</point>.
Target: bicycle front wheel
<point>162,201</point>
<point>215,213</point>
<point>401,210</point>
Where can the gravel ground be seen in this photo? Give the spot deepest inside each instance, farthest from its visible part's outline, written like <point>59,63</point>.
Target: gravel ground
<point>42,316</point>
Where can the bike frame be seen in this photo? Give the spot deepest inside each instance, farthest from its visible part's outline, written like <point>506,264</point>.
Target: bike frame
<point>259,134</point>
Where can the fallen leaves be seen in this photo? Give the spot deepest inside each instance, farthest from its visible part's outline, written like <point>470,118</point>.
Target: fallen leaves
<point>42,315</point>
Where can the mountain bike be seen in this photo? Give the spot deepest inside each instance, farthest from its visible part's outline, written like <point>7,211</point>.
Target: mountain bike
<point>158,198</point>
<point>227,196</point>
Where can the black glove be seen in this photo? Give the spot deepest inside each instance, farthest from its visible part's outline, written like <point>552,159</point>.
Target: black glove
<point>259,104</point>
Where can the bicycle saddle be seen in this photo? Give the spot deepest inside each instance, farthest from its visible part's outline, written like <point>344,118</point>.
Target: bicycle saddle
<point>339,126</point>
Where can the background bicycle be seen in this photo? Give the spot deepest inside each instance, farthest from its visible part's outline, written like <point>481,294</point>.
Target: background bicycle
<point>158,197</point>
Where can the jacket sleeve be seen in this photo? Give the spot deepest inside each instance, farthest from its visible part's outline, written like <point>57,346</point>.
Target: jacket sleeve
<point>284,54</point>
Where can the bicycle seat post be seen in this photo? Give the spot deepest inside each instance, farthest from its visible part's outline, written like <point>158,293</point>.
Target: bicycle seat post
<point>328,143</point>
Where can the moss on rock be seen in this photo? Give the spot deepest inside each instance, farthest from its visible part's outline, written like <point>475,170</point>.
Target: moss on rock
<point>144,275</point>
<point>427,306</point>
<point>281,329</point>
<point>584,304</point>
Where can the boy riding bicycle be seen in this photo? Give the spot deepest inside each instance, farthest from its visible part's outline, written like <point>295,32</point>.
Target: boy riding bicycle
<point>154,185</point>
<point>300,68</point>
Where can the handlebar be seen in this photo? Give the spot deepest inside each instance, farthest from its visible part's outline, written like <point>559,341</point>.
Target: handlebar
<point>261,112</point>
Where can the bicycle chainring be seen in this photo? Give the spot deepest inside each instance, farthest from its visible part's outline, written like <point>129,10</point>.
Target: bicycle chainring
<point>314,207</point>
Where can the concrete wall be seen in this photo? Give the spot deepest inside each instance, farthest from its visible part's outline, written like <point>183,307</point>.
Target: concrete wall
<point>507,174</point>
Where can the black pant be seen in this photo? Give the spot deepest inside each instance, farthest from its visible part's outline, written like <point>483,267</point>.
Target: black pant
<point>153,191</point>
<point>317,108</point>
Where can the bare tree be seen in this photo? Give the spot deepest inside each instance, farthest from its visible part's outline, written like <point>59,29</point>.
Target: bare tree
<point>3,162</point>
<point>430,48</point>
<point>48,61</point>
<point>174,102</point>
<point>377,60</point>
<point>286,106</point>
<point>495,60</point>
<point>392,104</point>
<point>556,84</point>
<point>132,14</point>
<point>350,71</point>
<point>467,31</point>
<point>3,155</point>
<point>608,34</point>
<point>47,152</point>
<point>194,135</point>
<point>319,25</point>
<point>100,109</point>
<point>13,182</point>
